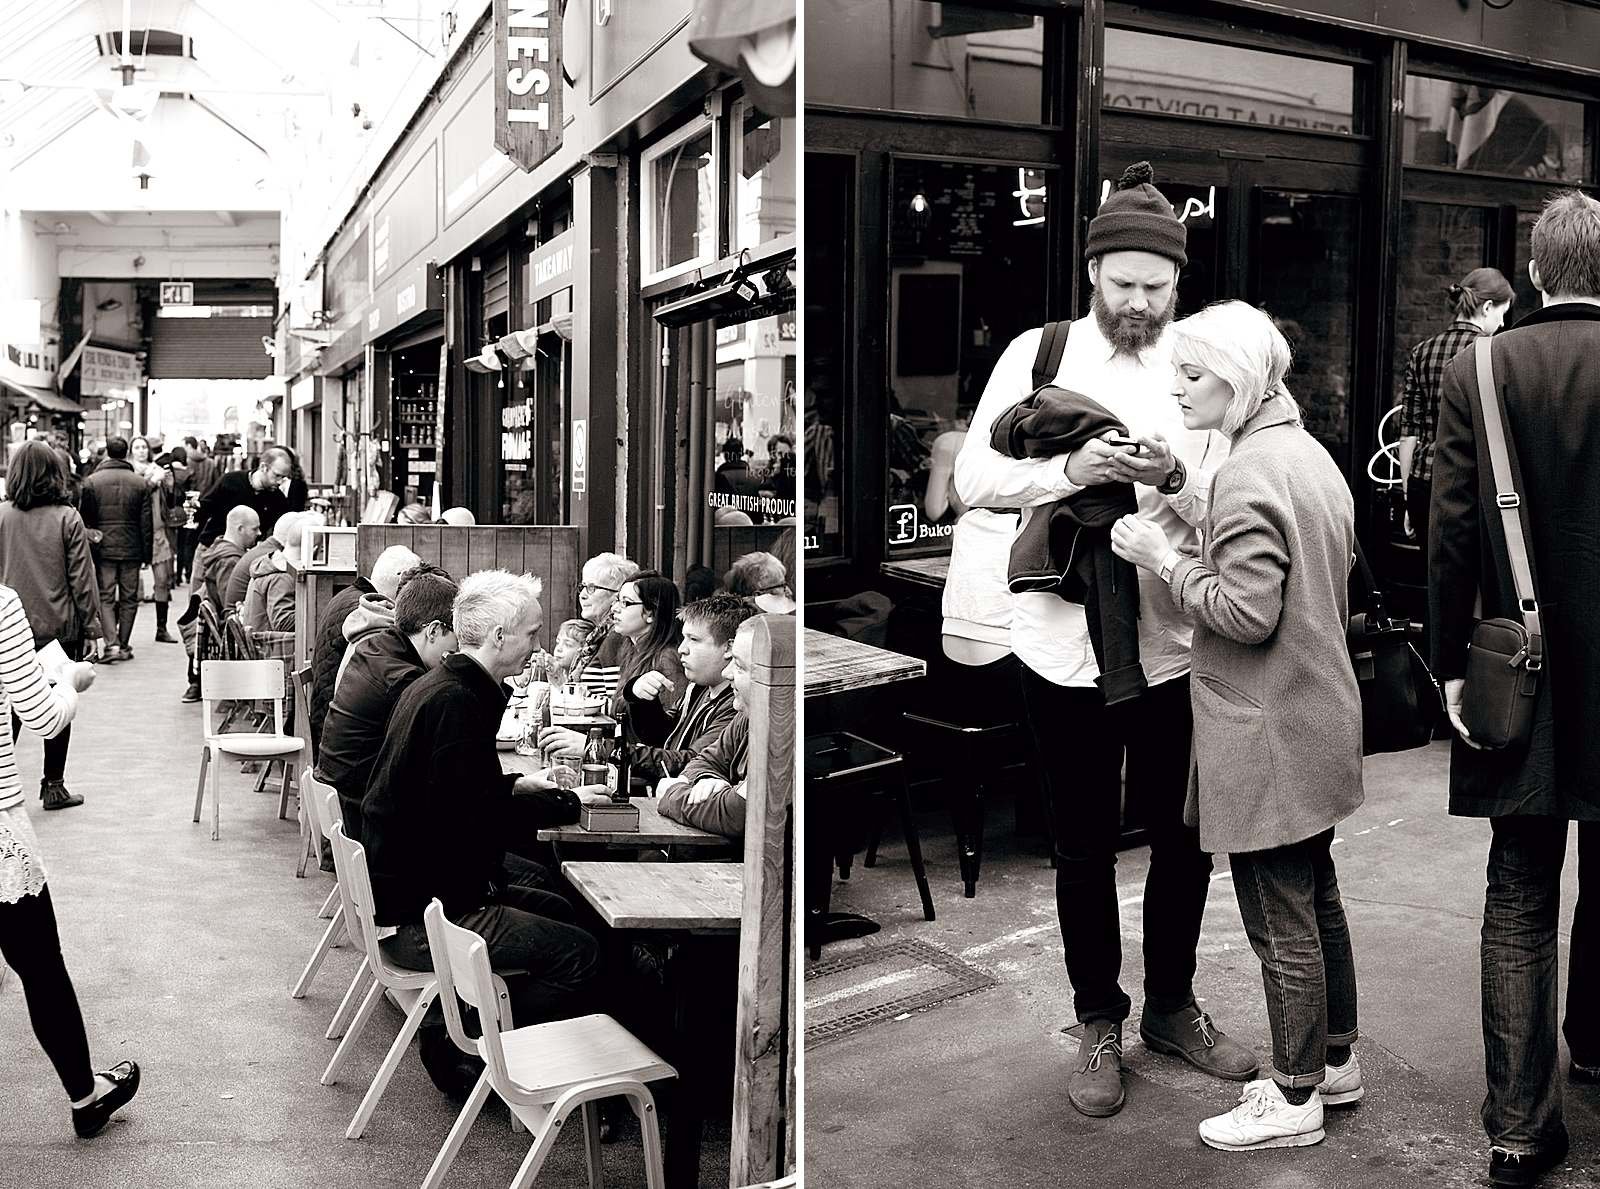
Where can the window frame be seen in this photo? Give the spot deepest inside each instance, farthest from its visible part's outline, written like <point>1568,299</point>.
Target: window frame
<point>648,157</point>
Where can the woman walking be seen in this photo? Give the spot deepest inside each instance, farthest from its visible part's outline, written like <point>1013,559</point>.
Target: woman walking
<point>1277,717</point>
<point>163,550</point>
<point>1479,304</point>
<point>651,682</point>
<point>29,940</point>
<point>44,559</point>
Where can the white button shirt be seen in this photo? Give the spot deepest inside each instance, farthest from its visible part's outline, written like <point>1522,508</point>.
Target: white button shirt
<point>1049,634</point>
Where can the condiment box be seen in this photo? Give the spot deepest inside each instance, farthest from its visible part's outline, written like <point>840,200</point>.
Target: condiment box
<point>617,818</point>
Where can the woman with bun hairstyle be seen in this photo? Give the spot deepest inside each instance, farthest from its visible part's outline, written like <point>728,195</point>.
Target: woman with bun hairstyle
<point>1479,304</point>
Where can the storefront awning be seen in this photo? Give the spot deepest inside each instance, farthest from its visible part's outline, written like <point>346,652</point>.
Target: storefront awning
<point>754,39</point>
<point>50,401</point>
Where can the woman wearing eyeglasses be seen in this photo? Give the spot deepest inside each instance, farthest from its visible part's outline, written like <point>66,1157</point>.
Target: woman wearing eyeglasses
<point>600,662</point>
<point>652,680</point>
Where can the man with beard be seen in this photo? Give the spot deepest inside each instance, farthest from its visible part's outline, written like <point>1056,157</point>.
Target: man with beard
<point>1120,357</point>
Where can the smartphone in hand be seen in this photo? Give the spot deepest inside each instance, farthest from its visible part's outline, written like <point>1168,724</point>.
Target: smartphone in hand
<point>1119,440</point>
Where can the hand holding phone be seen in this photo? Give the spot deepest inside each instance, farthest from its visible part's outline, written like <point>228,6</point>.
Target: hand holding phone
<point>1119,440</point>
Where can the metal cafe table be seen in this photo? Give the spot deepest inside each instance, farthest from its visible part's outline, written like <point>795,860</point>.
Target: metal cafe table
<point>692,905</point>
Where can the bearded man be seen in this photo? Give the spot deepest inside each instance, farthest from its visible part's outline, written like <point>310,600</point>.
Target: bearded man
<point>1121,358</point>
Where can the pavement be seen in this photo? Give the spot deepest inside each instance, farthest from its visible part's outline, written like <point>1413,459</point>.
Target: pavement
<point>971,1093</point>
<point>183,952</point>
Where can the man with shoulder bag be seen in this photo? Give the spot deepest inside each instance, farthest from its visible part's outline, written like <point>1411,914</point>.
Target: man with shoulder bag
<point>1514,597</point>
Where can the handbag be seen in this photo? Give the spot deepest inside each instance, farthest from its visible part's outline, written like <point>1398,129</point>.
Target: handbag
<point>1401,702</point>
<point>1504,656</point>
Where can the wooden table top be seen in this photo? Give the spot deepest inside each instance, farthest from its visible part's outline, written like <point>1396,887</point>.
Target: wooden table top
<point>703,897</point>
<point>924,571</point>
<point>654,830</point>
<point>834,664</point>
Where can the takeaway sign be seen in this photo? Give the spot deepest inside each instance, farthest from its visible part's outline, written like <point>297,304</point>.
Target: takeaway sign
<point>527,89</point>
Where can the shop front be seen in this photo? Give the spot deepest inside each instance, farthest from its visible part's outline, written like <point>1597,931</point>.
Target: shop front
<point>1340,174</point>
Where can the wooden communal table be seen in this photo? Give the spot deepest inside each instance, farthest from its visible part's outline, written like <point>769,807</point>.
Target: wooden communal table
<point>700,907</point>
<point>931,572</point>
<point>835,665</point>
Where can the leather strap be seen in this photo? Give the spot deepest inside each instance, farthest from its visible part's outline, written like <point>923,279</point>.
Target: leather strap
<point>1052,345</point>
<point>1374,592</point>
<point>1506,497</point>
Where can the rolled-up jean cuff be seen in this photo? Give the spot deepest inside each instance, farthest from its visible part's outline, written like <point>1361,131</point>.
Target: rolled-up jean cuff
<point>1299,1081</point>
<point>1344,1040</point>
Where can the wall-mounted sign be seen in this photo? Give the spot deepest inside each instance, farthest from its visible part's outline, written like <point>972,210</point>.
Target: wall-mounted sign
<point>111,373</point>
<point>551,266</point>
<point>527,90</point>
<point>906,527</point>
<point>580,457</point>
<point>177,293</point>
<point>303,393</point>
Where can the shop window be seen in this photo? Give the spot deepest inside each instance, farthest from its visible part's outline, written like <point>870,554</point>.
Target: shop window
<point>750,483</point>
<point>830,261</point>
<point>1439,244</point>
<point>763,177</point>
<point>1151,74</point>
<point>954,60</point>
<point>1475,129</point>
<point>680,211</point>
<point>967,275</point>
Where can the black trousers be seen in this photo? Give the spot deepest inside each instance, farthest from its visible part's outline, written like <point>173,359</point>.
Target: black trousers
<point>31,946</point>
<point>1082,743</point>
<point>55,750</point>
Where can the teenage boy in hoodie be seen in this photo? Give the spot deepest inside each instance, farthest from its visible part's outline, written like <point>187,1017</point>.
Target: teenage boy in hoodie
<point>375,613</point>
<point>269,599</point>
<point>709,626</point>
<point>381,666</point>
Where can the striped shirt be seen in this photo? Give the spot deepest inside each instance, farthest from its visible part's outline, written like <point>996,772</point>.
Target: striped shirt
<point>1419,402</point>
<point>45,709</point>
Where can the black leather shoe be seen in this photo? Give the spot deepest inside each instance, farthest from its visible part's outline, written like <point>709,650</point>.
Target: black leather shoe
<point>124,1078</point>
<point>454,1073</point>
<point>165,637</point>
<point>192,694</point>
<point>1525,1168</point>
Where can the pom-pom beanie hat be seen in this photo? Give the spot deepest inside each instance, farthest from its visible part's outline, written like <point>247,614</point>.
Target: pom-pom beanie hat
<point>1136,217</point>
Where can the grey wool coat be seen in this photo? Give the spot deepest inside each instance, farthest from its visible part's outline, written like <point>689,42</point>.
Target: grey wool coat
<point>1277,716</point>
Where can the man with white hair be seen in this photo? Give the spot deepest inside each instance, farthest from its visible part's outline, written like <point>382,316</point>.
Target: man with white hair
<point>437,814</point>
<point>327,650</point>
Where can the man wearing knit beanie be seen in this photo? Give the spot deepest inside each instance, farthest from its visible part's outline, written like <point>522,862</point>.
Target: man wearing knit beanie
<point>1120,357</point>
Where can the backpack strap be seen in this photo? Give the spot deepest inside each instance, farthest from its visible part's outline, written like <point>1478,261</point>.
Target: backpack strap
<point>1052,345</point>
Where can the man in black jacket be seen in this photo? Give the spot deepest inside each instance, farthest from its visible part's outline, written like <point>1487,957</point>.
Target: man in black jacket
<point>116,501</point>
<point>261,488</point>
<point>1547,369</point>
<point>438,813</point>
<point>382,667</point>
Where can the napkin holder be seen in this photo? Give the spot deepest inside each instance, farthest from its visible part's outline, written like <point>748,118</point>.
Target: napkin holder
<point>616,817</point>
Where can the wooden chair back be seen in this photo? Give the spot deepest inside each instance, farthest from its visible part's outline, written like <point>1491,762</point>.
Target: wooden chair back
<point>242,681</point>
<point>461,964</point>
<point>766,1040</point>
<point>549,552</point>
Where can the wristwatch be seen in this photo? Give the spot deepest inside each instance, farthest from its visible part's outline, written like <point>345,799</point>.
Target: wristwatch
<point>1169,564</point>
<point>1175,479</point>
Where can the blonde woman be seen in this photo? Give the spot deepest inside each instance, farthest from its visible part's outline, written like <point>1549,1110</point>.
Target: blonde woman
<point>1277,718</point>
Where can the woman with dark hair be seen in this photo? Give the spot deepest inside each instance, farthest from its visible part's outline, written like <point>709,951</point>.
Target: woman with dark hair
<point>44,557</point>
<point>1479,303</point>
<point>652,681</point>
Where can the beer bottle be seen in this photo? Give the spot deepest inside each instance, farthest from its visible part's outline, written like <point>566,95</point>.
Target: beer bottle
<point>595,768</point>
<point>621,757</point>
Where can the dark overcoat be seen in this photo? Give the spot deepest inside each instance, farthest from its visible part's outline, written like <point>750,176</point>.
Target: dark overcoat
<point>1548,368</point>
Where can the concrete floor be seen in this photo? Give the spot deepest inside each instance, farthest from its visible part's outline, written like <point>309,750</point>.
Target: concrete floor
<point>972,1093</point>
<point>183,951</point>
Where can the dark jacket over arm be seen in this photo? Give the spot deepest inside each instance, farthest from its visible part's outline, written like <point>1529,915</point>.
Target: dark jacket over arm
<point>437,813</point>
<point>1548,369</point>
<point>1066,547</point>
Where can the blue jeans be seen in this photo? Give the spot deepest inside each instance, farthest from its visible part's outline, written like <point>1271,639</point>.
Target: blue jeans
<point>1289,900</point>
<point>1521,913</point>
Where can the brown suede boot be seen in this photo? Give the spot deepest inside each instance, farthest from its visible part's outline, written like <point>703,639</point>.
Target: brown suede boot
<point>1095,1086</point>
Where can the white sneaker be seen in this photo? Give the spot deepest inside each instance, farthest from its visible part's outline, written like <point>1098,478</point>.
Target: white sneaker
<point>1264,1118</point>
<point>1342,1086</point>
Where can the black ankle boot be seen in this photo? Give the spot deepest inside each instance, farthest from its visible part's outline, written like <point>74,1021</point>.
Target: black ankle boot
<point>54,794</point>
<point>193,610</point>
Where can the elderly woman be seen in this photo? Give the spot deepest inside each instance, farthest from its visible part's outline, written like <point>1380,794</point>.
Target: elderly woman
<point>1277,717</point>
<point>600,663</point>
<point>762,578</point>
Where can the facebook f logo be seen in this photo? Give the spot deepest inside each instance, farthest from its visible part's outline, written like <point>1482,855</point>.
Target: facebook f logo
<point>902,524</point>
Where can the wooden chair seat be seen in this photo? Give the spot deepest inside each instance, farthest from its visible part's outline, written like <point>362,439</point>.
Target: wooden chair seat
<point>546,1060</point>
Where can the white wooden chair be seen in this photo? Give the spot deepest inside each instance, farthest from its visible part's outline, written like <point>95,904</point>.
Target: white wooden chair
<point>543,1072</point>
<point>412,990</point>
<point>239,681</point>
<point>312,804</point>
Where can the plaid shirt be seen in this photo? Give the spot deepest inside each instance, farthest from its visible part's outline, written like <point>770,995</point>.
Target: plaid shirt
<point>1419,416</point>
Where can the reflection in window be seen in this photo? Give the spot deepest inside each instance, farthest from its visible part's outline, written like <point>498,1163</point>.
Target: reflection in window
<point>1204,212</point>
<point>967,275</point>
<point>681,221</point>
<point>1485,130</point>
<point>1439,244</point>
<point>943,59</point>
<point>830,311</point>
<point>763,178</point>
<point>751,487</point>
<point>1151,74</point>
<point>1527,298</point>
